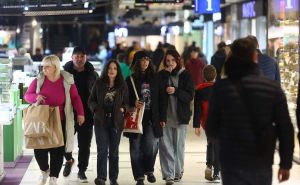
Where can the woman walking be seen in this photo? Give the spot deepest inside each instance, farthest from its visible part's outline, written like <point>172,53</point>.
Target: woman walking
<point>55,87</point>
<point>144,147</point>
<point>108,102</point>
<point>177,91</point>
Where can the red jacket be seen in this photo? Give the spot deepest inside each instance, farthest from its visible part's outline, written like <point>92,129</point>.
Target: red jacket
<point>202,95</point>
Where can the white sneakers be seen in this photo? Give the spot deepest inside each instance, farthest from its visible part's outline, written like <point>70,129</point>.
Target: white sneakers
<point>53,181</point>
<point>44,176</point>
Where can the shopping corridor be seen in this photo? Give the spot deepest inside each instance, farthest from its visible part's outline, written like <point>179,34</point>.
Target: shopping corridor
<point>193,175</point>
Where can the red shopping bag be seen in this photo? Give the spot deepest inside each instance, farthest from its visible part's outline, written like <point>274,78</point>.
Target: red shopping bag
<point>134,117</point>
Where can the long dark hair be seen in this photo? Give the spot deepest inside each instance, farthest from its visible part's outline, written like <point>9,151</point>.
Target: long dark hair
<point>137,69</point>
<point>177,57</point>
<point>119,80</point>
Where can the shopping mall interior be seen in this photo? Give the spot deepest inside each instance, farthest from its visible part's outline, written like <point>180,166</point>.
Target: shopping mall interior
<point>33,29</point>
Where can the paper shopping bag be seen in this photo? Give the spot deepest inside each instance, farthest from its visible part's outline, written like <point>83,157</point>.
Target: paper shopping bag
<point>55,139</point>
<point>36,121</point>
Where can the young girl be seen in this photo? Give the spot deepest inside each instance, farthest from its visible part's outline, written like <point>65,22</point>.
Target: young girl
<point>108,102</point>
<point>177,92</point>
<point>144,147</point>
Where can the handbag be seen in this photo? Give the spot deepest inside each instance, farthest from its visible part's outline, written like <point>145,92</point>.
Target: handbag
<point>55,138</point>
<point>36,121</point>
<point>133,122</point>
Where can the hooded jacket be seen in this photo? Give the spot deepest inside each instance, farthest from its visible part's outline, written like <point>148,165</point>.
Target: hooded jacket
<point>202,95</point>
<point>248,118</point>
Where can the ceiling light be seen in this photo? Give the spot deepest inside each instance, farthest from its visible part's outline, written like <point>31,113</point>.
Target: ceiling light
<point>86,5</point>
<point>33,23</point>
<point>90,11</point>
<point>18,30</point>
<point>26,8</point>
<point>56,12</point>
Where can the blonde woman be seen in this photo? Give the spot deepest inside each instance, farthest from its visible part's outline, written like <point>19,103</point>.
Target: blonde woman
<point>55,87</point>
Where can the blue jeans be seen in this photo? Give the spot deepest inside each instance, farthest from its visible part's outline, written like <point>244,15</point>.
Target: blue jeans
<point>143,150</point>
<point>171,151</point>
<point>107,140</point>
<point>237,176</point>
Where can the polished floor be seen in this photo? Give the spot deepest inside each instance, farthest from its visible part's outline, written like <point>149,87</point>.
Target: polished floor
<point>193,175</point>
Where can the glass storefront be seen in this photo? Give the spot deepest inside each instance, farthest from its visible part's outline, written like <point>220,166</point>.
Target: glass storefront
<point>283,35</point>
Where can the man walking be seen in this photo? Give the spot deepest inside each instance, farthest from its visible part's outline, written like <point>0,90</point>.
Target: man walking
<point>247,114</point>
<point>267,64</point>
<point>84,76</point>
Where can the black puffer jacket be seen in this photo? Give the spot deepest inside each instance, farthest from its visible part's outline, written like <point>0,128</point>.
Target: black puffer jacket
<point>84,82</point>
<point>154,88</point>
<point>96,103</point>
<point>184,94</point>
<point>244,126</point>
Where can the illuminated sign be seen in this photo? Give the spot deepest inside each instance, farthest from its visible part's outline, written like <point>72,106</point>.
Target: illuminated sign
<point>158,1</point>
<point>207,6</point>
<point>249,10</point>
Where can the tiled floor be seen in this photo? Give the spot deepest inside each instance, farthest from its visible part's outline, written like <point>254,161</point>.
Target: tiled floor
<point>194,166</point>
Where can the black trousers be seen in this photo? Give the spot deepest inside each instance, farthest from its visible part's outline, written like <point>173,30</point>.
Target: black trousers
<point>56,157</point>
<point>84,137</point>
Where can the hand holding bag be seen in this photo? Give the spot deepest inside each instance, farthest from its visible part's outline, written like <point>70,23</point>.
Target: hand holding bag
<point>134,116</point>
<point>36,121</point>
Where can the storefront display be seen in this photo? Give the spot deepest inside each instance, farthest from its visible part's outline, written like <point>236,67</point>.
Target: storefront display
<point>283,36</point>
<point>5,109</point>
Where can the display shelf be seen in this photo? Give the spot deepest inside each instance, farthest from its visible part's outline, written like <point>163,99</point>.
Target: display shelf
<point>2,173</point>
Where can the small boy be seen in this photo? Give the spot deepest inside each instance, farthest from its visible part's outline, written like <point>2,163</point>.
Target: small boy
<point>202,95</point>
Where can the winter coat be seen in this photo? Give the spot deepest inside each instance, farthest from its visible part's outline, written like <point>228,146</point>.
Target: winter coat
<point>184,93</point>
<point>84,82</point>
<point>202,95</point>
<point>269,67</point>
<point>247,113</point>
<point>96,103</point>
<point>218,60</point>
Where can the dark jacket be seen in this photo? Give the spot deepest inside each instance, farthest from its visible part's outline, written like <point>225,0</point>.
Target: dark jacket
<point>268,66</point>
<point>248,118</point>
<point>218,60</point>
<point>96,103</point>
<point>154,88</point>
<point>184,94</point>
<point>84,82</point>
<point>202,95</point>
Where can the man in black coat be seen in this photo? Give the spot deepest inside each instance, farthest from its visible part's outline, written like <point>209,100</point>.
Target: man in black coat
<point>247,114</point>
<point>84,77</point>
<point>219,58</point>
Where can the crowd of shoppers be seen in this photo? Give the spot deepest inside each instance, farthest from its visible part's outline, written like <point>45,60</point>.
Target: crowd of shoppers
<point>237,101</point>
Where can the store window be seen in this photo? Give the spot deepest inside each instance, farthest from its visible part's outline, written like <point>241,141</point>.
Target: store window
<point>283,35</point>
